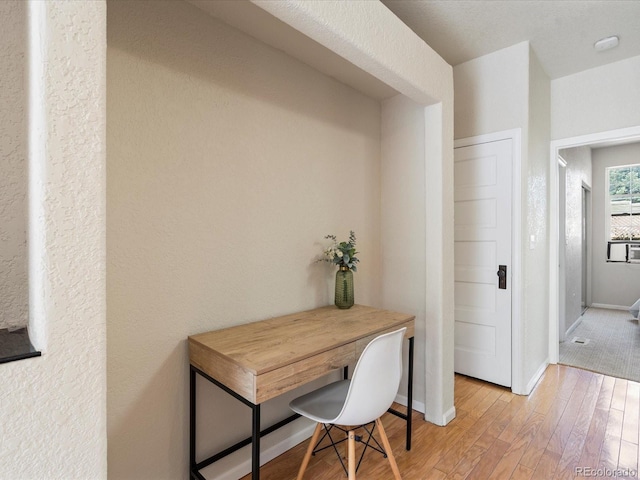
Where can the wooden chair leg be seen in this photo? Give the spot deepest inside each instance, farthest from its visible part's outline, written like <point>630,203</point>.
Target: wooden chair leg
<point>307,456</point>
<point>346,446</point>
<point>387,449</point>
<point>352,455</point>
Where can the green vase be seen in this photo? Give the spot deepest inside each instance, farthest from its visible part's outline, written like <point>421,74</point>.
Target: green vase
<point>344,288</point>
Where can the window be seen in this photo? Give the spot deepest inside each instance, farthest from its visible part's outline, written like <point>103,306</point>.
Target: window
<point>624,203</point>
<point>623,213</point>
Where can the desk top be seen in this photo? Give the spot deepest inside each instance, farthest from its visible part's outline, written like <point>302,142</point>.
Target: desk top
<point>270,344</point>
<point>262,360</point>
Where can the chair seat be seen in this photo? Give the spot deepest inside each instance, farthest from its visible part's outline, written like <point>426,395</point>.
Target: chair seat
<point>324,404</point>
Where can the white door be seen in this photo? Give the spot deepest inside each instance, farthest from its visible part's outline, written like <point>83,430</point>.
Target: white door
<point>482,245</point>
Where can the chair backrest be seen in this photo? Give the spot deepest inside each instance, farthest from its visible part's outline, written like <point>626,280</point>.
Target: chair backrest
<point>375,380</point>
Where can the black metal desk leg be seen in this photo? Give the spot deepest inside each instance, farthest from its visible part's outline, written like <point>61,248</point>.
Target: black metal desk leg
<point>255,443</point>
<point>410,394</point>
<point>192,420</point>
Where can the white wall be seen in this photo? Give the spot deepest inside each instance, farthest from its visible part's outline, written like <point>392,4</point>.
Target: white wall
<point>491,92</point>
<point>14,287</point>
<point>535,230</point>
<point>562,240</point>
<point>53,408</point>
<point>403,216</point>
<point>505,90</point>
<point>596,100</point>
<point>228,163</point>
<point>616,284</point>
<point>578,173</point>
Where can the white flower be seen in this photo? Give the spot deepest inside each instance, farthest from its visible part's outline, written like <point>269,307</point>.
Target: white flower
<point>339,253</point>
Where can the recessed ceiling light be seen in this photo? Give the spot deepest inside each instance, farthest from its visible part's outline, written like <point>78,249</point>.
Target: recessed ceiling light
<point>606,43</point>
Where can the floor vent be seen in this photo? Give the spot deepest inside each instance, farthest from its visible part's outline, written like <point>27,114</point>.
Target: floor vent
<point>580,340</point>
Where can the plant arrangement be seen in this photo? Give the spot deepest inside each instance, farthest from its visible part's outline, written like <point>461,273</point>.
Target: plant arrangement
<point>342,254</point>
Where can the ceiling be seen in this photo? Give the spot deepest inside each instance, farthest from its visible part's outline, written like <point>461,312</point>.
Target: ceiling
<point>561,32</point>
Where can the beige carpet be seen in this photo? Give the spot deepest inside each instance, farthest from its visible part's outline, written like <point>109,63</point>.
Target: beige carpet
<point>613,346</point>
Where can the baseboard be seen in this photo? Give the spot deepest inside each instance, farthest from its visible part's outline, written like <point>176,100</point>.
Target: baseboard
<point>536,377</point>
<point>610,307</point>
<point>402,400</point>
<point>573,327</point>
<point>420,407</point>
<point>449,415</point>
<point>238,464</point>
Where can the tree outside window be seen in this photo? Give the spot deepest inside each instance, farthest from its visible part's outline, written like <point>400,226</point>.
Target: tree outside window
<point>624,202</point>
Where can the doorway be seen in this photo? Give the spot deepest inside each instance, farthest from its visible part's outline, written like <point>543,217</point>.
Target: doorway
<point>562,245</point>
<point>483,260</point>
<point>574,220</point>
<point>585,299</point>
<point>614,137</point>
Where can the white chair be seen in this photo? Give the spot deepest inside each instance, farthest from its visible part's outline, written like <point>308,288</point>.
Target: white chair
<point>357,402</point>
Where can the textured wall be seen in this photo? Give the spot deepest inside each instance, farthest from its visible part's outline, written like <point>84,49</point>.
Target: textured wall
<point>616,284</point>
<point>14,287</point>
<point>491,92</point>
<point>228,163</point>
<point>535,220</point>
<point>596,100</point>
<point>403,216</point>
<point>370,36</point>
<point>578,172</point>
<point>53,408</point>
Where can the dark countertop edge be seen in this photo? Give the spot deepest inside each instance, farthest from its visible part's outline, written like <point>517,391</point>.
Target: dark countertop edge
<point>21,356</point>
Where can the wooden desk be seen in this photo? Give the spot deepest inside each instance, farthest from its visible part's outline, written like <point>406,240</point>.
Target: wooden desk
<point>258,361</point>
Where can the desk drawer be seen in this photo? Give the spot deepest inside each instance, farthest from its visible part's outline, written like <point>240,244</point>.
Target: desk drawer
<point>363,342</point>
<point>281,380</point>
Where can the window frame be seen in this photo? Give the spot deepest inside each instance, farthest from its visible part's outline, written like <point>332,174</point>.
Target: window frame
<point>628,242</point>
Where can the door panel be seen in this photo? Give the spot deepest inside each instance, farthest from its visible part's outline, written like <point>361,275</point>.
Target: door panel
<point>474,296</point>
<point>480,212</point>
<point>475,339</point>
<point>476,171</point>
<point>482,243</point>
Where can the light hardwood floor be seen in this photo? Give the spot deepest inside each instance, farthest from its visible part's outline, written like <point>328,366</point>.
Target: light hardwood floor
<point>573,419</point>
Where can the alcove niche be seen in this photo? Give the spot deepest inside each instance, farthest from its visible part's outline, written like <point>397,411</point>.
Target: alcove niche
<point>169,66</point>
<point>14,265</point>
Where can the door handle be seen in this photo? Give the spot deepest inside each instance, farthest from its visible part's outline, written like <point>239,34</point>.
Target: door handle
<point>502,277</point>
